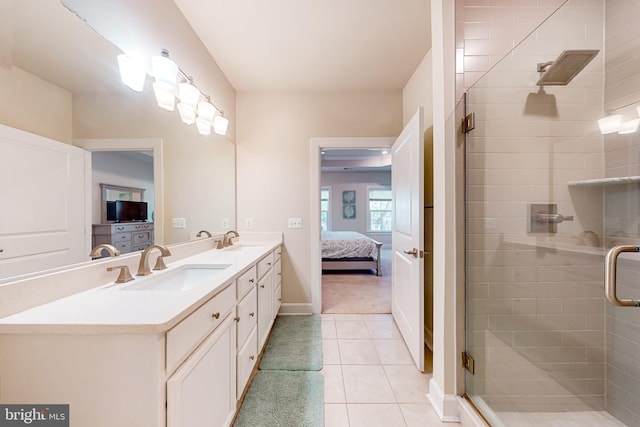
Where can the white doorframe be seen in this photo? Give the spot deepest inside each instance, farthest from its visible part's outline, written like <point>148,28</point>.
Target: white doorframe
<point>317,144</point>
<point>133,144</point>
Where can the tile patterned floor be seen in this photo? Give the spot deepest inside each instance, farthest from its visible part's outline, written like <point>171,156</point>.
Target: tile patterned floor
<point>370,379</point>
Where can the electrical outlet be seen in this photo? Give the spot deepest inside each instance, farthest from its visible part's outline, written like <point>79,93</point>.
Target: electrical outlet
<point>179,223</point>
<point>489,223</point>
<point>295,222</point>
<point>225,223</point>
<point>248,223</point>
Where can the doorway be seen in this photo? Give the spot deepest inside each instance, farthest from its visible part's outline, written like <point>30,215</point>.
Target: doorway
<point>356,218</point>
<point>317,146</point>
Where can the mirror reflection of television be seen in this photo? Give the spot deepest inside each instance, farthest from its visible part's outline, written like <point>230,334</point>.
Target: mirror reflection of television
<point>126,211</point>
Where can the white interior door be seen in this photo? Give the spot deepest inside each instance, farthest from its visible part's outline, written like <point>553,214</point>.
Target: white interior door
<point>408,236</point>
<point>42,220</point>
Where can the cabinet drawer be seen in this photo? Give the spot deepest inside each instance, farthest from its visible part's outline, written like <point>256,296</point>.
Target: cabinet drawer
<point>140,237</point>
<point>247,357</point>
<point>246,314</point>
<point>265,265</point>
<point>188,334</point>
<point>247,281</point>
<point>122,237</point>
<point>123,246</point>
<point>140,247</point>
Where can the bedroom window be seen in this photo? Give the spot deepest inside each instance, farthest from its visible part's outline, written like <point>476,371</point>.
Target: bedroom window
<point>325,205</point>
<point>379,206</point>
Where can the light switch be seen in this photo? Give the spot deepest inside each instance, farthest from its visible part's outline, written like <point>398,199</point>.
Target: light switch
<point>179,223</point>
<point>295,222</point>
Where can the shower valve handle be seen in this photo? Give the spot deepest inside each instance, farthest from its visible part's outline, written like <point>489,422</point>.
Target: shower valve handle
<point>548,218</point>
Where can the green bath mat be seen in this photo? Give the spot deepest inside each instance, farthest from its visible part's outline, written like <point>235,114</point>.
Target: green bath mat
<point>283,399</point>
<point>295,345</point>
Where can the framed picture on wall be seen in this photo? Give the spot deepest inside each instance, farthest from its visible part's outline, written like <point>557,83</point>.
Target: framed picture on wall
<point>348,211</point>
<point>349,197</point>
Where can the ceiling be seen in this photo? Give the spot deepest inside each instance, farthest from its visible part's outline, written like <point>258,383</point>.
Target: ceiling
<point>306,45</point>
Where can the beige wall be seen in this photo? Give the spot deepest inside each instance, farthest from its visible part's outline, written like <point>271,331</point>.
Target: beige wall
<point>273,161</point>
<point>418,92</point>
<point>34,105</point>
<point>358,181</point>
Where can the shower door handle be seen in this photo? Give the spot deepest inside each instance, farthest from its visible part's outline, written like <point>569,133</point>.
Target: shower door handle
<point>610,263</point>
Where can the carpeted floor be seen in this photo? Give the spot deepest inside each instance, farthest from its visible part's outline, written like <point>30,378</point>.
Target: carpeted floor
<point>294,345</point>
<point>288,388</point>
<point>358,292</point>
<point>284,399</point>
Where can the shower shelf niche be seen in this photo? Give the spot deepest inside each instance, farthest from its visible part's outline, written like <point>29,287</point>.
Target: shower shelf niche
<point>606,181</point>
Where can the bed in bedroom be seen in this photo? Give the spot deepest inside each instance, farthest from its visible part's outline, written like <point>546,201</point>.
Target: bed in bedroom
<point>349,250</point>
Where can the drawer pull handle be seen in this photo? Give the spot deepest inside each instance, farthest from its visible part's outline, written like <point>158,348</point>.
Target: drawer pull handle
<point>252,357</point>
<point>269,264</point>
<point>279,299</point>
<point>251,280</point>
<point>252,314</point>
<point>216,315</point>
<point>262,286</point>
<point>237,318</point>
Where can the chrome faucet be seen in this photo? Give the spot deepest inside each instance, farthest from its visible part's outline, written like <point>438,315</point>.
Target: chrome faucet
<point>96,252</point>
<point>200,233</point>
<point>143,267</point>
<point>228,236</point>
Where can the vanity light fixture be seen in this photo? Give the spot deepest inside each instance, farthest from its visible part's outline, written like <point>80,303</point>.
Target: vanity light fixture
<point>610,124</point>
<point>628,127</point>
<point>170,82</point>
<point>220,125</point>
<point>131,73</point>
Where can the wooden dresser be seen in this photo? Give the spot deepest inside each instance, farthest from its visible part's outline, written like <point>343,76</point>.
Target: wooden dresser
<point>127,237</point>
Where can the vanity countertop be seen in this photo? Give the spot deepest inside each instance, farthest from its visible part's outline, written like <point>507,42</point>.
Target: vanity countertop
<point>108,309</point>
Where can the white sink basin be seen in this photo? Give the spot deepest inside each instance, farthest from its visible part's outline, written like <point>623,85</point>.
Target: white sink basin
<point>180,279</point>
<point>243,247</point>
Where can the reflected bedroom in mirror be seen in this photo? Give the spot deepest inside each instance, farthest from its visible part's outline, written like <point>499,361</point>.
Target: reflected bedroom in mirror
<point>85,160</point>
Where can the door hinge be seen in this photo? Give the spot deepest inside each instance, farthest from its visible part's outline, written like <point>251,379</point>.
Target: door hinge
<point>469,123</point>
<point>468,362</point>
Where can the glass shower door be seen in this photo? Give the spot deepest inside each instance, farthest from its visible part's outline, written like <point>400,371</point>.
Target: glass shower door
<point>546,197</point>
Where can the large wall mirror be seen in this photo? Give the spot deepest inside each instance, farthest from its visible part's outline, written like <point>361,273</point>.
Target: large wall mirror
<point>59,79</point>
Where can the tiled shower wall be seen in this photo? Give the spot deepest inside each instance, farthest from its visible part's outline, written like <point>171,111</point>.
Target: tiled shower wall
<point>535,306</point>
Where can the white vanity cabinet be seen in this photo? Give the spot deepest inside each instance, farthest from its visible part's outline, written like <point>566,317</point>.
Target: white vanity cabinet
<point>201,392</point>
<point>138,363</point>
<point>247,335</point>
<point>277,281</point>
<point>265,297</point>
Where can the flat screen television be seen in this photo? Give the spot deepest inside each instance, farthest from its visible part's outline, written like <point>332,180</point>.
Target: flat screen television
<point>126,211</point>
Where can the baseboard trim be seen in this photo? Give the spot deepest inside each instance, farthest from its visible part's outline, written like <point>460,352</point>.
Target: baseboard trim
<point>445,405</point>
<point>295,309</point>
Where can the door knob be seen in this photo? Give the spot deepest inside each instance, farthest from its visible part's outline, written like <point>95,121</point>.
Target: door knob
<point>417,253</point>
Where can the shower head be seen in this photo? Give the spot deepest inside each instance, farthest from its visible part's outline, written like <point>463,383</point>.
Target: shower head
<point>561,71</point>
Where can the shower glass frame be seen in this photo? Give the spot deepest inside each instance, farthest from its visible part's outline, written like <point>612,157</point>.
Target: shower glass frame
<point>547,347</point>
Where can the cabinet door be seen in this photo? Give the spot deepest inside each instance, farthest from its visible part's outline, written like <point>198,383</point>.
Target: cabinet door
<point>202,392</point>
<point>247,357</point>
<point>265,308</point>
